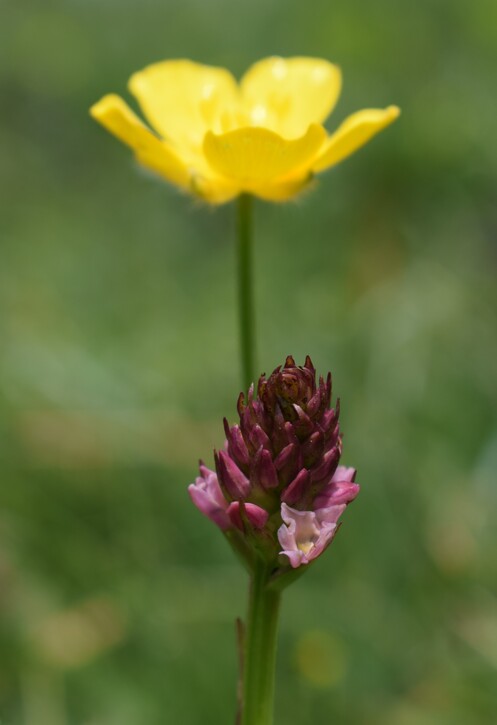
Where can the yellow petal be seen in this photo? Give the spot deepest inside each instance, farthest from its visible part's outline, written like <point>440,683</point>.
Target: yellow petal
<point>287,95</point>
<point>113,113</point>
<point>183,99</point>
<point>282,190</point>
<point>213,190</point>
<point>258,156</point>
<point>353,133</point>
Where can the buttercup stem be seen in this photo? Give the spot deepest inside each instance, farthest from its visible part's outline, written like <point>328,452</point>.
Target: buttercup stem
<point>260,650</point>
<point>245,289</point>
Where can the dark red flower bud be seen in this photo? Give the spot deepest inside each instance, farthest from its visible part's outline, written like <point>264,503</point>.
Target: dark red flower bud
<point>263,471</point>
<point>231,478</point>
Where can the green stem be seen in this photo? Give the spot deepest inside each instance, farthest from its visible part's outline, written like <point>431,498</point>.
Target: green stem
<point>245,291</point>
<point>260,650</point>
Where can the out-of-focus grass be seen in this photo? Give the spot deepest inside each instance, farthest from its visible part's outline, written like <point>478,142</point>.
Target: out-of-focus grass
<point>119,359</point>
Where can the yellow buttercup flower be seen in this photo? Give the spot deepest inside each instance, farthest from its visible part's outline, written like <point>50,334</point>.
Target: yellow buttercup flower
<point>217,138</point>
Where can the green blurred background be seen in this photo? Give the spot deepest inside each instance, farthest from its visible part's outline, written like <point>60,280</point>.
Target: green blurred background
<point>119,358</point>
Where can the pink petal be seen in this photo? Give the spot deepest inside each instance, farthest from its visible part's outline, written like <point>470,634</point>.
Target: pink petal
<point>256,515</point>
<point>207,496</point>
<point>344,474</point>
<point>336,492</point>
<point>305,534</point>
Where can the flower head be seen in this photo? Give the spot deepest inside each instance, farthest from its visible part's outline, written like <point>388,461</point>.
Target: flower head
<point>217,138</point>
<point>278,490</point>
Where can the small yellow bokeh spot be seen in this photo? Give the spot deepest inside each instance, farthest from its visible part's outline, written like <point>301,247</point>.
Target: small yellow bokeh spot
<point>74,637</point>
<point>321,658</point>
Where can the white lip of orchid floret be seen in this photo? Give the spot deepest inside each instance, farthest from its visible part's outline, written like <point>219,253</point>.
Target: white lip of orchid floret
<point>304,535</point>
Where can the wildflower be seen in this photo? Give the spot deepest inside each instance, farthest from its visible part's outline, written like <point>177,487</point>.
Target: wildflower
<point>216,138</point>
<point>279,490</point>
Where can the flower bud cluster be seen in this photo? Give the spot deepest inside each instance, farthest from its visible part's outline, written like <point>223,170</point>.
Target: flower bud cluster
<point>278,491</point>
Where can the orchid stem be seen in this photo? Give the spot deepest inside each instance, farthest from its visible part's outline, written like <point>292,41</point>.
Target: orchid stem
<point>245,288</point>
<point>260,650</point>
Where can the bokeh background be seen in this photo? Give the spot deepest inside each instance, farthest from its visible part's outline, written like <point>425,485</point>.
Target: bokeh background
<point>119,358</point>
